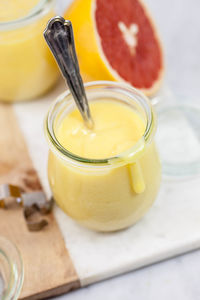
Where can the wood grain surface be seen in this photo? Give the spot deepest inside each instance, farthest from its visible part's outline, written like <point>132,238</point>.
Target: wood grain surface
<point>48,267</point>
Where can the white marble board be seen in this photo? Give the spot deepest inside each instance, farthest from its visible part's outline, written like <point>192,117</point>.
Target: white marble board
<point>171,227</point>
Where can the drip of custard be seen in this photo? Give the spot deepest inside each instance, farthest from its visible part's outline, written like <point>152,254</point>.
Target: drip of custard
<point>117,128</point>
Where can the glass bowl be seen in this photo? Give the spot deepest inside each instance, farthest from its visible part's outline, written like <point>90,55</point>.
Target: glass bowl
<point>11,270</point>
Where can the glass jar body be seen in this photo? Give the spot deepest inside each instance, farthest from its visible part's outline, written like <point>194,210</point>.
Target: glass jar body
<point>27,68</point>
<point>105,201</point>
<point>111,196</point>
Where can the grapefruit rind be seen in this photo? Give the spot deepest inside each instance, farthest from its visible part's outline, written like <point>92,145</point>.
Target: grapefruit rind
<point>93,62</point>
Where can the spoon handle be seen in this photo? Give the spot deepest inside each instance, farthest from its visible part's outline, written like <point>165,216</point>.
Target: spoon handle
<point>60,39</point>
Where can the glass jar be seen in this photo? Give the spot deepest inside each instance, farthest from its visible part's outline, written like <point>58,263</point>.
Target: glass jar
<point>27,67</point>
<point>104,194</point>
<point>11,270</point>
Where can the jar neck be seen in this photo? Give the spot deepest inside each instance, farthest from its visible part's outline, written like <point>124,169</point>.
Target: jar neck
<point>36,12</point>
<point>98,90</point>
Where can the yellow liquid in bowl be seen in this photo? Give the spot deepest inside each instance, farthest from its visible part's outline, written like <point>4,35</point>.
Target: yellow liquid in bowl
<point>116,196</point>
<point>27,67</point>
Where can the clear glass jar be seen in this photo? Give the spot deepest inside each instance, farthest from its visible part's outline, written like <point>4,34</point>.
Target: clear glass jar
<point>11,270</point>
<point>27,67</point>
<point>104,194</point>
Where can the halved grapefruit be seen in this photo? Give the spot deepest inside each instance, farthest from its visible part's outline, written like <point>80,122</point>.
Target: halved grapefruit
<point>116,40</point>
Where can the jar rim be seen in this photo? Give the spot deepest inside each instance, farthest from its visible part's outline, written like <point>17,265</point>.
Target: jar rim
<point>16,271</point>
<point>37,10</point>
<point>122,157</point>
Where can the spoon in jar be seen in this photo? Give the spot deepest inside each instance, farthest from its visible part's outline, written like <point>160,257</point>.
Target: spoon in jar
<point>60,39</point>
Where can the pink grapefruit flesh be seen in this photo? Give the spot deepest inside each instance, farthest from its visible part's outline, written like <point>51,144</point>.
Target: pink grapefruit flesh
<point>129,41</point>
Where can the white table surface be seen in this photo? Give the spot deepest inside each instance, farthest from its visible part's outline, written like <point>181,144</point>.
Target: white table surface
<point>178,278</point>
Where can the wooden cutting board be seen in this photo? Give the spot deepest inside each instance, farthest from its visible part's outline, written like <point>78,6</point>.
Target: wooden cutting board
<point>48,267</point>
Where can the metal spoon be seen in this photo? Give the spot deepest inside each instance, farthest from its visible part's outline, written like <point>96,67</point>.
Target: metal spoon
<point>59,37</point>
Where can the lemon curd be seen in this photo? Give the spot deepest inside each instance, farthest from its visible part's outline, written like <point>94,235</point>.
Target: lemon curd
<point>116,129</point>
<point>15,9</point>
<point>27,66</point>
<point>113,176</point>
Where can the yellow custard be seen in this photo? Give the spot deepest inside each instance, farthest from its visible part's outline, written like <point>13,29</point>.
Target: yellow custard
<point>117,128</point>
<point>27,66</point>
<point>15,9</point>
<point>115,196</point>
